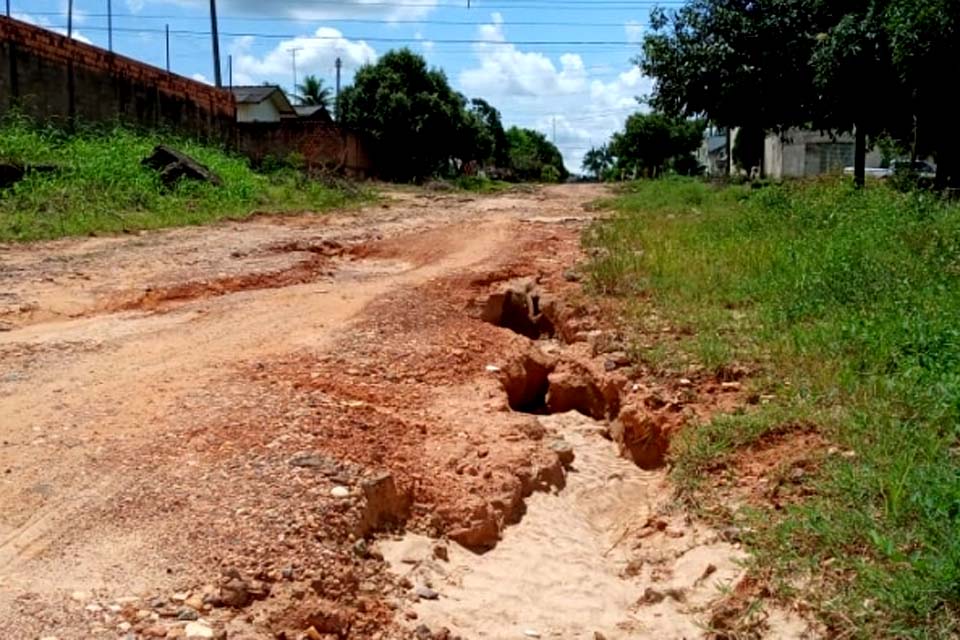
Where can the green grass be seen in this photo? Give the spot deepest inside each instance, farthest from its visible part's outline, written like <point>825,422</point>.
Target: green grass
<point>477,184</point>
<point>102,188</point>
<point>848,305</point>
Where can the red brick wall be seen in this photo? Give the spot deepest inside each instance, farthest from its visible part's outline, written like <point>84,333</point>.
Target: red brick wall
<point>50,76</point>
<point>320,144</point>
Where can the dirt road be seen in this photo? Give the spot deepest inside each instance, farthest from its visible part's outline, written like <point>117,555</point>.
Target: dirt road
<point>229,431</point>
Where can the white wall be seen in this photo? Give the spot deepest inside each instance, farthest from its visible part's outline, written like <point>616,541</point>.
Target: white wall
<point>264,111</point>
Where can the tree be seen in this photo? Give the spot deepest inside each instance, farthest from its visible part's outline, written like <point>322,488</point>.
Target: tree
<point>652,143</point>
<point>598,160</point>
<point>312,92</point>
<point>495,147</point>
<point>530,155</point>
<point>416,122</point>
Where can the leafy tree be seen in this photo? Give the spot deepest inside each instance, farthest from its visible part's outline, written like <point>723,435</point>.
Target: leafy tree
<point>530,153</point>
<point>417,123</point>
<point>495,147</point>
<point>312,92</point>
<point>598,160</point>
<point>748,147</point>
<point>652,143</point>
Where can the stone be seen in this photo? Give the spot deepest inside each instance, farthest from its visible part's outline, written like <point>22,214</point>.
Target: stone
<point>197,630</point>
<point>186,613</point>
<point>327,617</point>
<point>641,437</point>
<point>340,492</point>
<point>80,596</point>
<point>195,602</point>
<point>425,593</point>
<point>422,632</point>
<point>156,631</point>
<point>440,552</point>
<point>573,388</point>
<point>235,594</point>
<point>174,165</point>
<point>564,451</point>
<point>384,504</point>
<point>516,306</point>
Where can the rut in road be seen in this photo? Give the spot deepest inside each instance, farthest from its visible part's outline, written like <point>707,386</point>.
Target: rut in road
<point>233,453</point>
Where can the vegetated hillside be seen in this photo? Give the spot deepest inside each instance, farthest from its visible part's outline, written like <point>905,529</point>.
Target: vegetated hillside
<point>844,305</point>
<point>99,185</point>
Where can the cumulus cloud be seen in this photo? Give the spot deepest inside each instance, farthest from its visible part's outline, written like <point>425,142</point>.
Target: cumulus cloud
<point>316,55</point>
<point>560,97</point>
<point>43,21</point>
<point>199,77</point>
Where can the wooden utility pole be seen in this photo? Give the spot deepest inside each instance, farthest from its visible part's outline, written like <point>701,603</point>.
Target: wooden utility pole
<point>217,78</point>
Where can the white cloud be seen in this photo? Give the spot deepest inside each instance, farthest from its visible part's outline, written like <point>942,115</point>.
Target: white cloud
<point>199,77</point>
<point>634,31</point>
<point>316,55</point>
<point>42,21</point>
<point>135,6</point>
<point>583,106</point>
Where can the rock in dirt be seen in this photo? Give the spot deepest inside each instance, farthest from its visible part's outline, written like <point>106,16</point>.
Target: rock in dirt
<point>425,593</point>
<point>174,165</point>
<point>641,437</point>
<point>478,535</point>
<point>384,503</point>
<point>564,451</point>
<point>197,631</point>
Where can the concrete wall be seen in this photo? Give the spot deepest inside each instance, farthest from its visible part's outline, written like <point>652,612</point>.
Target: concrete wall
<point>51,78</point>
<point>805,154</point>
<point>320,144</point>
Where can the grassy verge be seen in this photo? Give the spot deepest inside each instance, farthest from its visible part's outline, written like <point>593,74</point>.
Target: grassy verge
<point>101,187</point>
<point>848,304</point>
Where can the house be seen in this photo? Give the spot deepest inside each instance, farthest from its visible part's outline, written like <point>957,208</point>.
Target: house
<point>266,103</point>
<point>712,154</point>
<point>313,112</point>
<point>804,154</point>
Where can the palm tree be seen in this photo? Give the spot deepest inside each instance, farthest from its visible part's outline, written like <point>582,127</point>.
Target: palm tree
<point>598,160</point>
<point>312,92</point>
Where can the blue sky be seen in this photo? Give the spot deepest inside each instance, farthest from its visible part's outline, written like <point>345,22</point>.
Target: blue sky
<point>538,61</point>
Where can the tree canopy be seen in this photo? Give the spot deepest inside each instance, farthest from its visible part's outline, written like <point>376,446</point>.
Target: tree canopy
<point>533,157</point>
<point>870,66</point>
<point>312,92</point>
<point>652,143</point>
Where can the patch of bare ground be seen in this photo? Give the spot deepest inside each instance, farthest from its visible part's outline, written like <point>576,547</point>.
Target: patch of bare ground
<point>238,455</point>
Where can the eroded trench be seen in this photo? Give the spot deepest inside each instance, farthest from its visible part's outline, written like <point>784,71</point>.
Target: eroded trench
<point>592,557</point>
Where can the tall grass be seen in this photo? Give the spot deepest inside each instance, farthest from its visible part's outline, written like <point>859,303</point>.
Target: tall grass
<point>100,186</point>
<point>849,303</point>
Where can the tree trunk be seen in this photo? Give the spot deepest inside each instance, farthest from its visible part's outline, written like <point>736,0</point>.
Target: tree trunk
<point>860,158</point>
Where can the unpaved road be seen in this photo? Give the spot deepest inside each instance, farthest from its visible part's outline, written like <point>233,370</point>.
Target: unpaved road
<point>228,422</point>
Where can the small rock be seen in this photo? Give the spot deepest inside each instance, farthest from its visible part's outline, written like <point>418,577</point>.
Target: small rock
<point>440,552</point>
<point>235,594</point>
<point>195,602</point>
<point>564,451</point>
<point>156,631</point>
<point>422,632</point>
<point>198,630</point>
<point>93,608</point>
<point>313,634</point>
<point>425,593</point>
<point>492,368</point>
<point>410,614</point>
<point>340,492</point>
<point>186,613</point>
<point>730,386</point>
<point>685,382</point>
<point>80,596</point>
<point>124,626</point>
<point>179,597</point>
<point>652,596</point>
<point>599,636</point>
<point>360,548</point>
<point>571,275</point>
<point>530,633</point>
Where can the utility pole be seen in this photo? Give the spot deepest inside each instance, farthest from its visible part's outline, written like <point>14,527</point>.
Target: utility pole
<point>109,26</point>
<point>336,98</point>
<point>554,129</point>
<point>8,8</point>
<point>230,71</point>
<point>69,18</point>
<point>293,52</point>
<point>218,80</point>
<point>167,32</point>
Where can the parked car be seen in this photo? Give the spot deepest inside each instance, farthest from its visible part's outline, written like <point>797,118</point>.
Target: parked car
<point>921,168</point>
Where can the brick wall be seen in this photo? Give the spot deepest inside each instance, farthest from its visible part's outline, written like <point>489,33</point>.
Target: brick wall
<point>320,144</point>
<point>51,77</point>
